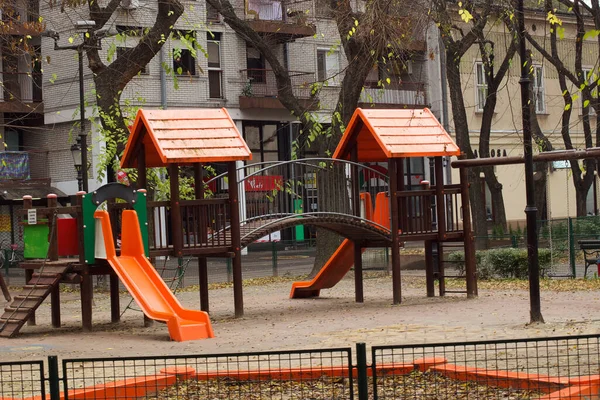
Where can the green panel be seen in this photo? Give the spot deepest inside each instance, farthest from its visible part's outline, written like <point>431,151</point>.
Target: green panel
<point>142,214</point>
<point>36,241</point>
<point>298,209</point>
<point>89,228</point>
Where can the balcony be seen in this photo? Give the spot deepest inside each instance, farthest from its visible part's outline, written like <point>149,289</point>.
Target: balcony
<point>409,95</point>
<point>21,92</point>
<point>271,17</point>
<point>261,89</point>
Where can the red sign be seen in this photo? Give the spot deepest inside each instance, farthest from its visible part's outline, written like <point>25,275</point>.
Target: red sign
<point>261,183</point>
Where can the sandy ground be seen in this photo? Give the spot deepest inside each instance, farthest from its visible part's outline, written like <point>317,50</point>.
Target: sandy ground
<point>272,321</point>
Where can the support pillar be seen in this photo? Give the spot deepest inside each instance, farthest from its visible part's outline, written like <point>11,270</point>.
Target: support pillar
<point>238,295</point>
<point>55,306</point>
<point>115,306</point>
<point>394,226</point>
<point>469,242</point>
<point>203,237</point>
<point>429,269</point>
<point>86,300</point>
<point>358,273</point>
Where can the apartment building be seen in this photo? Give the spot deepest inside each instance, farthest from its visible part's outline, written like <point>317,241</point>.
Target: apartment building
<point>231,74</point>
<point>506,131</point>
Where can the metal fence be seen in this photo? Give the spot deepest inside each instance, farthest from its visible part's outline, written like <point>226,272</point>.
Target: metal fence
<point>516,369</point>
<point>22,379</point>
<point>302,374</point>
<point>542,368</point>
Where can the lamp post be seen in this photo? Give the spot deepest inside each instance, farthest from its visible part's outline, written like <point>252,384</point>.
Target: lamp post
<point>82,158</point>
<point>530,209</point>
<point>77,162</point>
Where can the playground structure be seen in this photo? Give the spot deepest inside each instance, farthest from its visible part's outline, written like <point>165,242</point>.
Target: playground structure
<point>246,203</point>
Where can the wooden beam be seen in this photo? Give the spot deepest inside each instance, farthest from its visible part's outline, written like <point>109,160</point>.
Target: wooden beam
<point>557,155</point>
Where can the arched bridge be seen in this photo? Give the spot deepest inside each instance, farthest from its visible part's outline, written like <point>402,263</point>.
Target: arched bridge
<point>314,192</point>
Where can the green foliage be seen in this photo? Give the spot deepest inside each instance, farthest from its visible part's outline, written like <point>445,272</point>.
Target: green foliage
<point>502,263</point>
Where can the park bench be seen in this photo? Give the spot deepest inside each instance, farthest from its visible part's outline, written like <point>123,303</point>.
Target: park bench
<point>591,253</point>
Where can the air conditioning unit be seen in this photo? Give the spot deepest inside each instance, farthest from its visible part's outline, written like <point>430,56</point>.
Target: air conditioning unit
<point>130,4</point>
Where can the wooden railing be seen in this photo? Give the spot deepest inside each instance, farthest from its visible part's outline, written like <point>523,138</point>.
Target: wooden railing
<point>418,209</point>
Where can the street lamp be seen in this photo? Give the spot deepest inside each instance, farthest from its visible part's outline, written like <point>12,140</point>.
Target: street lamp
<point>76,153</point>
<point>82,170</point>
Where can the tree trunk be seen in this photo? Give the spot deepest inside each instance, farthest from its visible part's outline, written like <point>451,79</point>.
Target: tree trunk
<point>461,129</point>
<point>495,187</point>
<point>332,186</point>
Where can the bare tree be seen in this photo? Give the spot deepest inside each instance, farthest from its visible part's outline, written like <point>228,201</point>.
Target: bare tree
<point>583,83</point>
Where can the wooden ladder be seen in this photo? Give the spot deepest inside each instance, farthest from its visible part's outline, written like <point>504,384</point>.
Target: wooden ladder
<point>29,299</point>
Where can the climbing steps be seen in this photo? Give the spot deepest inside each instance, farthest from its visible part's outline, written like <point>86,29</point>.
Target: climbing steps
<point>29,299</point>
<point>443,264</point>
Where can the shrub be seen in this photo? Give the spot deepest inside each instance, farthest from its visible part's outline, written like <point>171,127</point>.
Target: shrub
<point>502,263</point>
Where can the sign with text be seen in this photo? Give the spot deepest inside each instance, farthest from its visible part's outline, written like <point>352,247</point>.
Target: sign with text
<point>31,216</point>
<point>262,183</point>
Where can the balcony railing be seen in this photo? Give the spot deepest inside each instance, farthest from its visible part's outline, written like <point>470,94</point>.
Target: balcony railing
<point>23,165</point>
<point>262,83</point>
<point>21,86</point>
<point>406,94</point>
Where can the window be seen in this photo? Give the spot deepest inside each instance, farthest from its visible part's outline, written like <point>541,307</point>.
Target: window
<point>215,73</point>
<point>328,66</point>
<point>480,86</point>
<point>591,76</point>
<point>255,63</point>
<point>538,89</point>
<point>183,62</point>
<point>121,53</point>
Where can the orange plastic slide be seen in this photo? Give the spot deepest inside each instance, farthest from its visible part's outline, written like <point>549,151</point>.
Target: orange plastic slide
<point>342,260</point>
<point>146,286</point>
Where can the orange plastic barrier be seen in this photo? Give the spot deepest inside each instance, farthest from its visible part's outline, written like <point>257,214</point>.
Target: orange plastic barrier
<point>146,286</point>
<point>342,259</point>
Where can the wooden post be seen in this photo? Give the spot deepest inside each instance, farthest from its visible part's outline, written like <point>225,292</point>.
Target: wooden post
<point>115,307</point>
<point>27,204</point>
<point>439,199</point>
<point>441,269</point>
<point>202,261</point>
<point>55,306</point>
<point>429,273</point>
<point>238,295</point>
<point>358,273</point>
<point>470,267</point>
<point>176,222</point>
<point>86,299</point>
<point>53,230</point>
<point>394,224</point>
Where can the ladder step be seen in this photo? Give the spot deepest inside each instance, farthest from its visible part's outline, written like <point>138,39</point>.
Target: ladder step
<point>47,281</point>
<point>26,302</point>
<point>45,274</point>
<point>12,314</point>
<point>35,291</point>
<point>11,328</point>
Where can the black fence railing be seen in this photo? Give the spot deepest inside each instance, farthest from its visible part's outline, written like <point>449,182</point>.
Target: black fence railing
<point>542,368</point>
<point>22,379</point>
<point>516,369</point>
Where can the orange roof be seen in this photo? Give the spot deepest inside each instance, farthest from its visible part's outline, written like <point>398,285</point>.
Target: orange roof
<point>384,134</point>
<point>183,137</point>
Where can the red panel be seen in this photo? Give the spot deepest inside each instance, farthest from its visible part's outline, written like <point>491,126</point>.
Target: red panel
<point>67,237</point>
<point>263,183</point>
